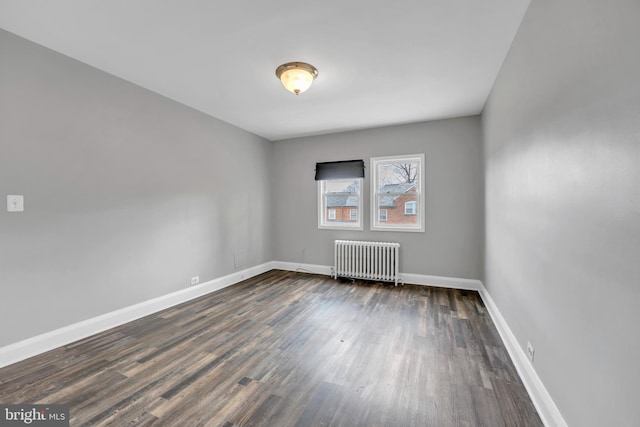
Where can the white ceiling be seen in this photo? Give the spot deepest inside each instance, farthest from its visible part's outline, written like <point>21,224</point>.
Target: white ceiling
<point>380,62</point>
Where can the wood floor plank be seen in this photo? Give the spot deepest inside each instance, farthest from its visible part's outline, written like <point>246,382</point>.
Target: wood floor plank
<point>289,349</point>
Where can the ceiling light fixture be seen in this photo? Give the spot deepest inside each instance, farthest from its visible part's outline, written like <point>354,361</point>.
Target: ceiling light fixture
<point>296,76</point>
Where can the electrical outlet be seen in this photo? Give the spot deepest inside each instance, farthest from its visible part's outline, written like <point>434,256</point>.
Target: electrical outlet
<point>195,280</point>
<point>530,351</point>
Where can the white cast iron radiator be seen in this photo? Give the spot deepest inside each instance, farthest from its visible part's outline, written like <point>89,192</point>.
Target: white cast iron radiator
<point>367,260</point>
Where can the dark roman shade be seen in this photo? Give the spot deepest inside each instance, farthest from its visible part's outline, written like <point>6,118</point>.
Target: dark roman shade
<point>340,170</point>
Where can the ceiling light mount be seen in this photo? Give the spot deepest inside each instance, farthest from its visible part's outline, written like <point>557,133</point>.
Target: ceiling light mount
<point>296,76</point>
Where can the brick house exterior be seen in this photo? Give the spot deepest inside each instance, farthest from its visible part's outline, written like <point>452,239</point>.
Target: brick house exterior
<point>339,206</point>
<point>395,206</point>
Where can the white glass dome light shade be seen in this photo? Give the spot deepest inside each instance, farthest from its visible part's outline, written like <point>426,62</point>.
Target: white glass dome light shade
<point>296,77</point>
<point>296,80</point>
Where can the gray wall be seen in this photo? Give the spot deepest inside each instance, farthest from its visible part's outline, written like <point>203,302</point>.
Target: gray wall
<point>452,243</point>
<point>128,194</point>
<point>562,153</point>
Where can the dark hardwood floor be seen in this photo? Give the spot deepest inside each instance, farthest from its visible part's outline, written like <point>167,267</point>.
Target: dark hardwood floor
<point>289,349</point>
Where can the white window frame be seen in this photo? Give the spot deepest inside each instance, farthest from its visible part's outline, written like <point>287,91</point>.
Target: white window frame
<point>326,224</point>
<point>332,214</point>
<point>353,214</point>
<point>386,215</point>
<point>376,224</point>
<point>414,210</point>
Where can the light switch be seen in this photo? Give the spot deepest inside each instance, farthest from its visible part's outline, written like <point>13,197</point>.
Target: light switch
<point>15,203</point>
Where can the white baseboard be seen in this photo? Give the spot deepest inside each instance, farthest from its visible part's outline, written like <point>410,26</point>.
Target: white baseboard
<point>30,347</point>
<point>48,341</point>
<point>303,268</point>
<point>547,409</point>
<point>441,282</point>
<point>414,279</point>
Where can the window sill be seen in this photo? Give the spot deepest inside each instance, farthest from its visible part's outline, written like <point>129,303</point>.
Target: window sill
<point>341,227</point>
<point>400,229</point>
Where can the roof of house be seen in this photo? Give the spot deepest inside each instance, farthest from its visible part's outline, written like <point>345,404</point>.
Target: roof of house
<point>390,201</point>
<point>403,187</point>
<point>341,200</point>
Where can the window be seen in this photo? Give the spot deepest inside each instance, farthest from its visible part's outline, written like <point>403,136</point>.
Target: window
<point>410,208</point>
<point>339,201</point>
<point>396,187</point>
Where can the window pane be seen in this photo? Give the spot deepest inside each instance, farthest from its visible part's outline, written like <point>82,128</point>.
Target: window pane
<point>339,186</point>
<point>340,203</point>
<point>396,189</point>
<point>397,177</point>
<point>395,207</point>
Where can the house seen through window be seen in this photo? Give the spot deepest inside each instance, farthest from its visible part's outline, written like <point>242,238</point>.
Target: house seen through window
<point>339,204</point>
